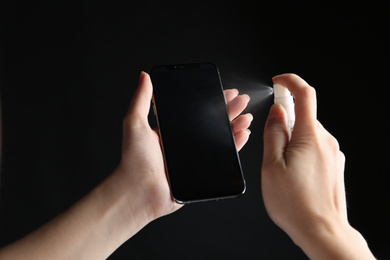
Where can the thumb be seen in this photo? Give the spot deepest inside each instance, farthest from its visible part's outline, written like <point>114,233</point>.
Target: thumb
<point>275,135</point>
<point>140,104</point>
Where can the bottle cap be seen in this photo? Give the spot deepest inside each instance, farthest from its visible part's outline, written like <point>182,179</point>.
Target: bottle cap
<point>280,91</point>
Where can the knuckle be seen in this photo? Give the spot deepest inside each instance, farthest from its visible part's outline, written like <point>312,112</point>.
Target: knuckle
<point>326,139</point>
<point>342,156</point>
<point>307,92</point>
<point>291,76</point>
<point>134,121</point>
<point>333,143</point>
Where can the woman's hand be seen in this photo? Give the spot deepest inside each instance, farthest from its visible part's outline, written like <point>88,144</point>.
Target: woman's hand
<point>136,193</point>
<point>142,165</point>
<point>303,180</point>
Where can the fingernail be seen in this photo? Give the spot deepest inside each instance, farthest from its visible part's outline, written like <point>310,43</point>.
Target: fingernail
<point>142,75</point>
<point>249,114</point>
<point>275,111</point>
<point>249,98</point>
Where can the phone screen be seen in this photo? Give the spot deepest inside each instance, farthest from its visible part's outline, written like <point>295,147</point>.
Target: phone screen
<point>200,154</point>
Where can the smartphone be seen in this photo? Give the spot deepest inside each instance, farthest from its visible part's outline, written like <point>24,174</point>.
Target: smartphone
<point>201,158</point>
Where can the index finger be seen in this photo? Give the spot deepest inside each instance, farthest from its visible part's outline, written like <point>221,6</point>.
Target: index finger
<point>305,100</point>
<point>230,94</point>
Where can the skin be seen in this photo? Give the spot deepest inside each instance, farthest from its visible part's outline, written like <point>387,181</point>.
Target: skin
<point>132,196</point>
<point>302,185</point>
<point>303,180</point>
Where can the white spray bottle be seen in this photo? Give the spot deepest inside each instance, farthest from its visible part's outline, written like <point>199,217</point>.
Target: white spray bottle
<point>283,96</point>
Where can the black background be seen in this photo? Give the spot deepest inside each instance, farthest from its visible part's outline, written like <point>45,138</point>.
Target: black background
<point>69,69</point>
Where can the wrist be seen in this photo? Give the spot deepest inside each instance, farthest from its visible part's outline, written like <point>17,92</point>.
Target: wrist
<point>92,228</point>
<point>334,240</point>
<point>124,208</point>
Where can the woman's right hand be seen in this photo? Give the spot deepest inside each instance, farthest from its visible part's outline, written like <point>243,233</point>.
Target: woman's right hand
<point>303,180</point>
